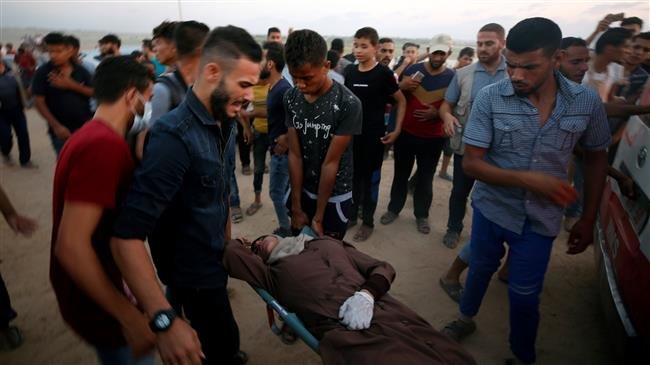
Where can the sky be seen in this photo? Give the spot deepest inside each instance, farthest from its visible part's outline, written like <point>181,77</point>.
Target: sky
<point>415,19</point>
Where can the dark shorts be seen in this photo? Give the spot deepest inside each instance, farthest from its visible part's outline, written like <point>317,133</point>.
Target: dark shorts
<point>337,212</point>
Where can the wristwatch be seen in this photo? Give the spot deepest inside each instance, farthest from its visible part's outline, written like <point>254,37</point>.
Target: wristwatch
<point>162,320</point>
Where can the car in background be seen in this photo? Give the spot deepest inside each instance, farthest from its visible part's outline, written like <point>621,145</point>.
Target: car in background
<point>622,240</point>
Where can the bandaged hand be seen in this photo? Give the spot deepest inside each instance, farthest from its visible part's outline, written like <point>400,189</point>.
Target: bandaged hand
<point>356,311</point>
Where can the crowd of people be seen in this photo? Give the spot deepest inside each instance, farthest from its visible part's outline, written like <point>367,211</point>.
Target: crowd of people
<point>147,147</point>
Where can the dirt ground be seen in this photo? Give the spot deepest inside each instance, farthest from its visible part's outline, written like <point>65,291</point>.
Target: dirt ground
<point>571,329</point>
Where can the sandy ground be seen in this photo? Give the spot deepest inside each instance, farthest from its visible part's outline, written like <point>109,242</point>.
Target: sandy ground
<point>571,329</point>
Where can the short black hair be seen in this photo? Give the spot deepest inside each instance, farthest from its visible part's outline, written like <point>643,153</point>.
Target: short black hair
<point>572,42</point>
<point>110,38</point>
<point>189,37</point>
<point>164,30</point>
<point>305,47</point>
<point>72,41</point>
<point>495,28</point>
<point>467,51</point>
<point>54,39</point>
<point>275,53</point>
<point>368,33</point>
<point>385,40</point>
<point>632,20</point>
<point>146,43</point>
<point>115,75</point>
<point>532,34</point>
<point>644,36</point>
<point>337,45</point>
<point>410,44</point>
<point>612,37</point>
<point>273,30</point>
<point>230,43</point>
<point>333,57</point>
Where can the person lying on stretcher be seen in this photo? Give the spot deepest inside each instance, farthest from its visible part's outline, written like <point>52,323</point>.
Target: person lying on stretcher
<point>340,294</point>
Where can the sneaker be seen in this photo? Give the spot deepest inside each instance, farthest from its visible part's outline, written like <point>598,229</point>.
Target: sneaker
<point>29,165</point>
<point>246,170</point>
<point>423,225</point>
<point>569,222</point>
<point>240,358</point>
<point>235,215</point>
<point>459,329</point>
<point>282,232</point>
<point>388,217</point>
<point>11,338</point>
<point>445,176</point>
<point>450,240</point>
<point>8,161</point>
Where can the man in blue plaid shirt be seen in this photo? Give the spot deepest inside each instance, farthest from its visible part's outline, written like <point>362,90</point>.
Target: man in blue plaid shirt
<point>519,141</point>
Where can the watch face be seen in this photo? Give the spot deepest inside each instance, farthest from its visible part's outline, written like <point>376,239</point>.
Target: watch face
<point>162,321</point>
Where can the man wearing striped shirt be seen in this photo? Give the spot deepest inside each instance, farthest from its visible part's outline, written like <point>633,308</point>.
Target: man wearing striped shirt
<point>519,141</point>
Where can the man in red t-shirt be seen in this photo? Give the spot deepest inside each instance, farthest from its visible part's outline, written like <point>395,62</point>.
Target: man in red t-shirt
<point>422,138</point>
<point>92,175</point>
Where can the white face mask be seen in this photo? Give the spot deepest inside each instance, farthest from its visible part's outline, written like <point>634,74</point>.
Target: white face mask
<point>141,121</point>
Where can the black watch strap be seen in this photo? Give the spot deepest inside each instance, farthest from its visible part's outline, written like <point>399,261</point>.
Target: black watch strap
<point>162,320</point>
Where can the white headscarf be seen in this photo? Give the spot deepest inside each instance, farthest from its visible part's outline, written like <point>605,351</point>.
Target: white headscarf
<point>288,246</point>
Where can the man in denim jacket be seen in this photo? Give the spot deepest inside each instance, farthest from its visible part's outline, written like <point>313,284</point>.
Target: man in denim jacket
<point>179,201</point>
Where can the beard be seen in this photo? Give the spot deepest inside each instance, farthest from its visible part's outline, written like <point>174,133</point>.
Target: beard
<point>218,102</point>
<point>436,65</point>
<point>265,74</point>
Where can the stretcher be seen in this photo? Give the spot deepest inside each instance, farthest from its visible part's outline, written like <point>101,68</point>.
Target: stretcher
<point>289,318</point>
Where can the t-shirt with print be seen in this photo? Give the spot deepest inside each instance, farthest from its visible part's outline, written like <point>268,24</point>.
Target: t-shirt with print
<point>70,108</point>
<point>275,110</point>
<point>431,91</point>
<point>95,166</point>
<point>374,88</point>
<point>336,113</point>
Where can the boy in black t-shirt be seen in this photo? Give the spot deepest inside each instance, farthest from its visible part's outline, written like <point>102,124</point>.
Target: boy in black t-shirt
<point>321,117</point>
<point>375,85</point>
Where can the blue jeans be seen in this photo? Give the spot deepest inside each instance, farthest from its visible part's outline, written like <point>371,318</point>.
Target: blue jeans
<point>57,143</point>
<point>278,185</point>
<point>121,356</point>
<point>529,256</point>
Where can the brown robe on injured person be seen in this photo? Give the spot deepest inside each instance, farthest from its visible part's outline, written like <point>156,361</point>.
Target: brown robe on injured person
<point>314,284</point>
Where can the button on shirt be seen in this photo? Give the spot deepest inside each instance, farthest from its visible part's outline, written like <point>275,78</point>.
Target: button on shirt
<point>482,78</point>
<point>179,197</point>
<point>508,126</point>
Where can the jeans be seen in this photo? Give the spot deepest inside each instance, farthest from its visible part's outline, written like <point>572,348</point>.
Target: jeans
<point>575,210</point>
<point>529,256</point>
<point>408,149</point>
<point>234,192</point>
<point>244,149</point>
<point>278,185</point>
<point>260,149</point>
<point>122,356</point>
<point>14,119</point>
<point>210,314</point>
<point>57,143</point>
<point>368,156</point>
<point>462,186</point>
